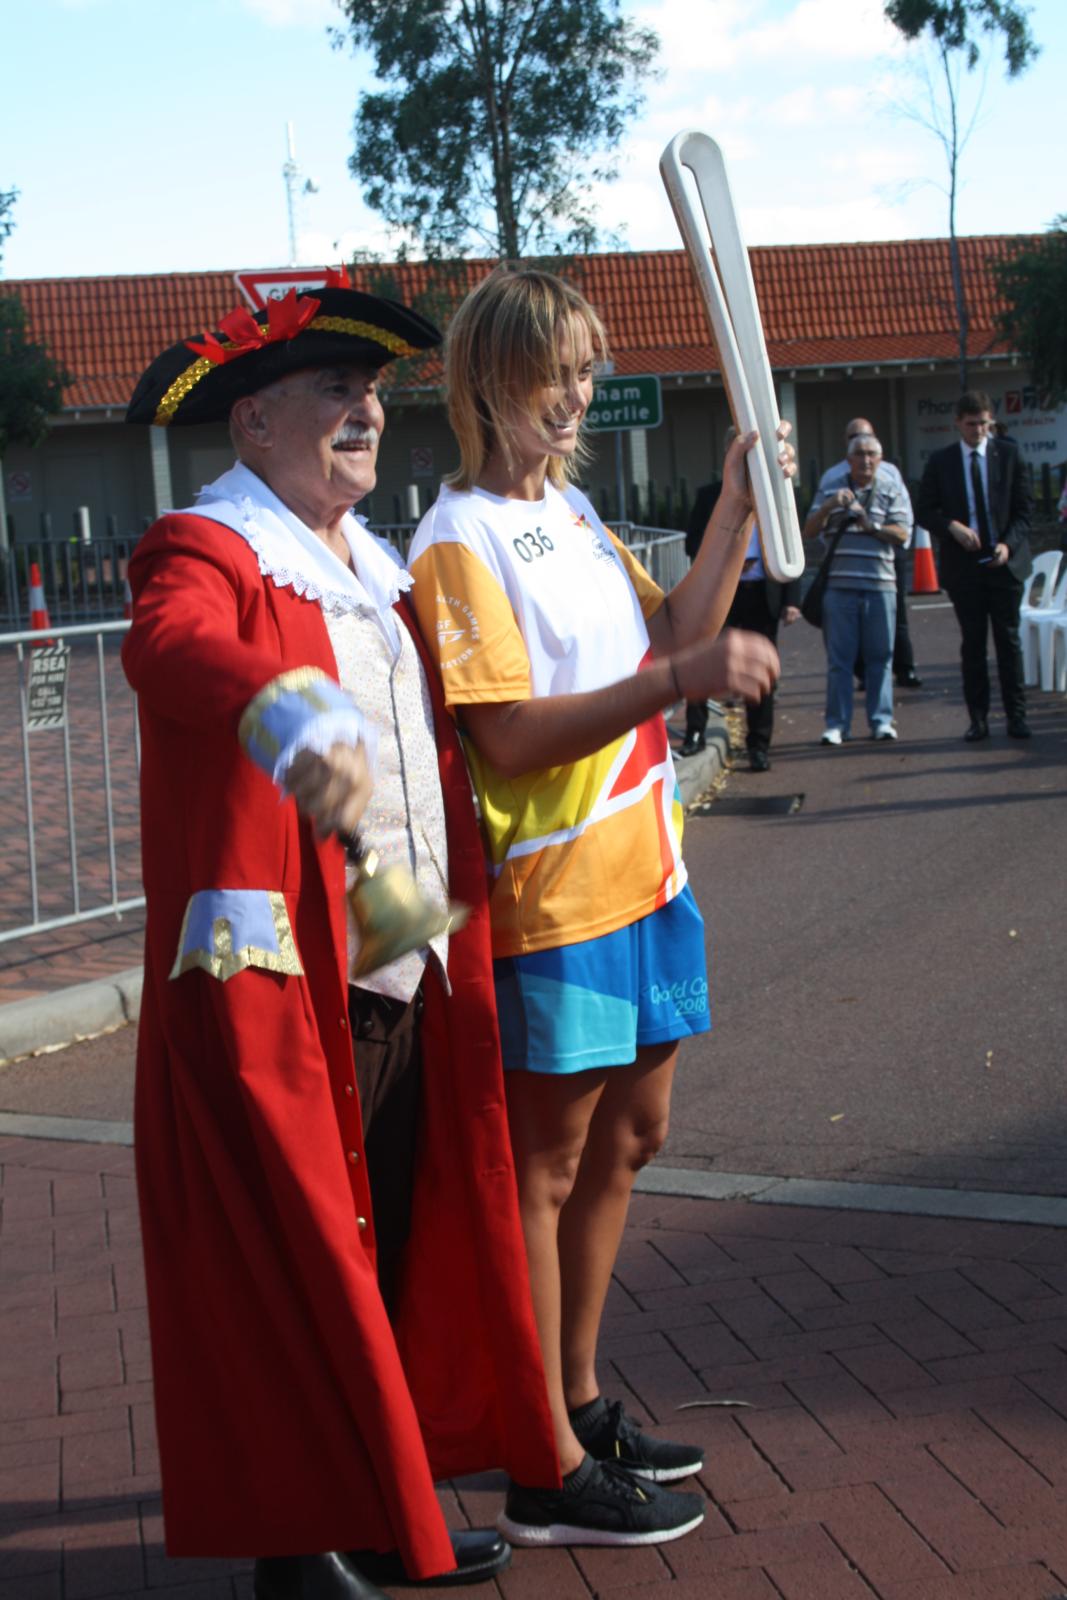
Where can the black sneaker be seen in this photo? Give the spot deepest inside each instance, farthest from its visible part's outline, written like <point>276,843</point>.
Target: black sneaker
<point>610,1435</point>
<point>598,1504</point>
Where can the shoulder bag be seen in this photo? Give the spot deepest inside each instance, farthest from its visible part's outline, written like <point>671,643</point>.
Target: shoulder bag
<point>811,605</point>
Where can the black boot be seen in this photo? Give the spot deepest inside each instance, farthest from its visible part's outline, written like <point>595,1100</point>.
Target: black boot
<point>327,1577</point>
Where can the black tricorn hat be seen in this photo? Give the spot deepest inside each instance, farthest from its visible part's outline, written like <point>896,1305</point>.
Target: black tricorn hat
<point>198,380</point>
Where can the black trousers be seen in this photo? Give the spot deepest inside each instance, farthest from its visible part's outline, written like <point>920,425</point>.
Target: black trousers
<point>385,1038</point>
<point>696,716</point>
<point>983,600</point>
<point>751,612</point>
<point>903,654</point>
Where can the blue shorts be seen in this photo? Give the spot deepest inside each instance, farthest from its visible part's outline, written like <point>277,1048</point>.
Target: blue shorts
<point>593,1004</point>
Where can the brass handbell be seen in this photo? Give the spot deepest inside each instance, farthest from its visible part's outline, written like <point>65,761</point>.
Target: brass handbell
<point>392,913</point>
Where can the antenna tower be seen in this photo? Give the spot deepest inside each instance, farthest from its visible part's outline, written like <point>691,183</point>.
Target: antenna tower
<point>296,185</point>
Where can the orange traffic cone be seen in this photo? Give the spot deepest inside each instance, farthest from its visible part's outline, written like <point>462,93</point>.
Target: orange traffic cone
<point>127,599</point>
<point>923,571</point>
<point>38,610</point>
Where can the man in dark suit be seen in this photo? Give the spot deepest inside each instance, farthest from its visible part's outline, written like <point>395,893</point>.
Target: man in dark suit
<point>758,606</point>
<point>975,500</point>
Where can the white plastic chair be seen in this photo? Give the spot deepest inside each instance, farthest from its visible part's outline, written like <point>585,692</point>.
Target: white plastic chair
<point>1044,571</point>
<point>1058,652</point>
<point>1041,629</point>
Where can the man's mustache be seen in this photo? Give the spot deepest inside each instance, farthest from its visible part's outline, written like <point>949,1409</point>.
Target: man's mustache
<point>355,434</point>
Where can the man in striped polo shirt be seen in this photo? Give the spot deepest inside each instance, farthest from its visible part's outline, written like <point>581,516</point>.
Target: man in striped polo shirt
<point>871,518</point>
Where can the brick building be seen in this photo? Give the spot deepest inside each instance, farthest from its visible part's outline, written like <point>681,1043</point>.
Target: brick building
<point>851,329</point>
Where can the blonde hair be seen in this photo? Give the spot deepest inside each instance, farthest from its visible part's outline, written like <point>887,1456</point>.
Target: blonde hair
<point>501,349</point>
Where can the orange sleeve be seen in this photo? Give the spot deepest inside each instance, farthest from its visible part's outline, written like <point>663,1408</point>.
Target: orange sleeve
<point>469,628</point>
<point>649,594</point>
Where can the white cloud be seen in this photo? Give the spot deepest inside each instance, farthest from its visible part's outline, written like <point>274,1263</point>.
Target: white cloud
<point>809,107</point>
<point>812,224</point>
<point>829,30</point>
<point>799,108</point>
<point>681,51</point>
<point>872,163</point>
<point>791,91</point>
<point>321,249</point>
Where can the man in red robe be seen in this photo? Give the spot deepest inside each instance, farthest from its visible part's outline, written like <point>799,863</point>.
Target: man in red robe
<point>282,700</point>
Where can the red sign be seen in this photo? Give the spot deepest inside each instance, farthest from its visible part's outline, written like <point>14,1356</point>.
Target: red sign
<point>274,283</point>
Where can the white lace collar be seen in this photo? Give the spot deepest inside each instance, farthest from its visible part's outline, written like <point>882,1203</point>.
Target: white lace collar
<point>292,556</point>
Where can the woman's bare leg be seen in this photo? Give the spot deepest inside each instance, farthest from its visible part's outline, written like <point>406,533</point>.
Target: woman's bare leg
<point>549,1117</point>
<point>626,1130</point>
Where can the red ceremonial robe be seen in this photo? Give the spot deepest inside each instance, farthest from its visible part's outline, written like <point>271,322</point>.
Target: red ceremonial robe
<point>292,1417</point>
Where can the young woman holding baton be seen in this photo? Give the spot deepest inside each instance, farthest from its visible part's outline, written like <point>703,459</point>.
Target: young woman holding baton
<point>558,655</point>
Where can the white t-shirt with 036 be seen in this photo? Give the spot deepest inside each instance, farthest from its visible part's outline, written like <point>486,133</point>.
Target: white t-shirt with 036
<point>520,599</point>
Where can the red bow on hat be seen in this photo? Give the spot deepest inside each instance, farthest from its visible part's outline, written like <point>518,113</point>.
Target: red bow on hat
<point>285,319</point>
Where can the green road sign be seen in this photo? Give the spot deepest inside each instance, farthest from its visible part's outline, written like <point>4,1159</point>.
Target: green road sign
<point>624,403</point>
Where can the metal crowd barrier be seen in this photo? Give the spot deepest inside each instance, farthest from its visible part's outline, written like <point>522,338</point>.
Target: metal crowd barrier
<point>78,835</point>
<point>661,551</point>
<point>80,581</point>
<point>70,844</point>
<point>87,582</point>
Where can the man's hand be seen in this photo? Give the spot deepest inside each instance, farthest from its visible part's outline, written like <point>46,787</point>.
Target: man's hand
<point>816,520</point>
<point>331,790</point>
<point>965,536</point>
<point>1000,557</point>
<point>734,664</point>
<point>840,500</point>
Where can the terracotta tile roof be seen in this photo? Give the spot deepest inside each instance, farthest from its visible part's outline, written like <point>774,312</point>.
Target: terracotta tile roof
<point>822,305</point>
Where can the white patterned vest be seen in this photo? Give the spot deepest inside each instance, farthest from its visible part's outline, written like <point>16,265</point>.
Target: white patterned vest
<point>405,820</point>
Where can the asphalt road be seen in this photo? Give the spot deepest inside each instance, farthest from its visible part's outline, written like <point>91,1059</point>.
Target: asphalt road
<point>888,975</point>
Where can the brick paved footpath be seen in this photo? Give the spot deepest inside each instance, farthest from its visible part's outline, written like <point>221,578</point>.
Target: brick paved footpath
<point>903,1433</point>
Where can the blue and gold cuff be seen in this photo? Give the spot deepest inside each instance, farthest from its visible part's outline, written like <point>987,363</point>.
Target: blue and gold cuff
<point>301,710</point>
<point>226,930</point>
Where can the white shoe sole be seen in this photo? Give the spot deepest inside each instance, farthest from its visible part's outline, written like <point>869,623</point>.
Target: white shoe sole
<point>563,1533</point>
<point>665,1474</point>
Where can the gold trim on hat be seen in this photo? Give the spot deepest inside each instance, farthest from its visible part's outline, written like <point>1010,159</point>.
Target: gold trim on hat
<point>199,368</point>
<point>179,389</point>
<point>364,330</point>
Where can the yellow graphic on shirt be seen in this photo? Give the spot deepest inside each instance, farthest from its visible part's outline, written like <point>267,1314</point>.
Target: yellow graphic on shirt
<point>567,844</point>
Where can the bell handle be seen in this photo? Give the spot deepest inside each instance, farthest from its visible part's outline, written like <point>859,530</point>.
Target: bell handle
<point>362,856</point>
<point>353,845</point>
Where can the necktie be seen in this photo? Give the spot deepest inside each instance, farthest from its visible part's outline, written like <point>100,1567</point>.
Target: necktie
<point>981,515</point>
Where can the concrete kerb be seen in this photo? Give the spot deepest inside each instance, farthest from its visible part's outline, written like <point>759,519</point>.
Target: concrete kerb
<point>697,773</point>
<point>49,1021</point>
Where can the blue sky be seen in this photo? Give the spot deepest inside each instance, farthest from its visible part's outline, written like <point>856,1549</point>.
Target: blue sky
<point>149,135</point>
